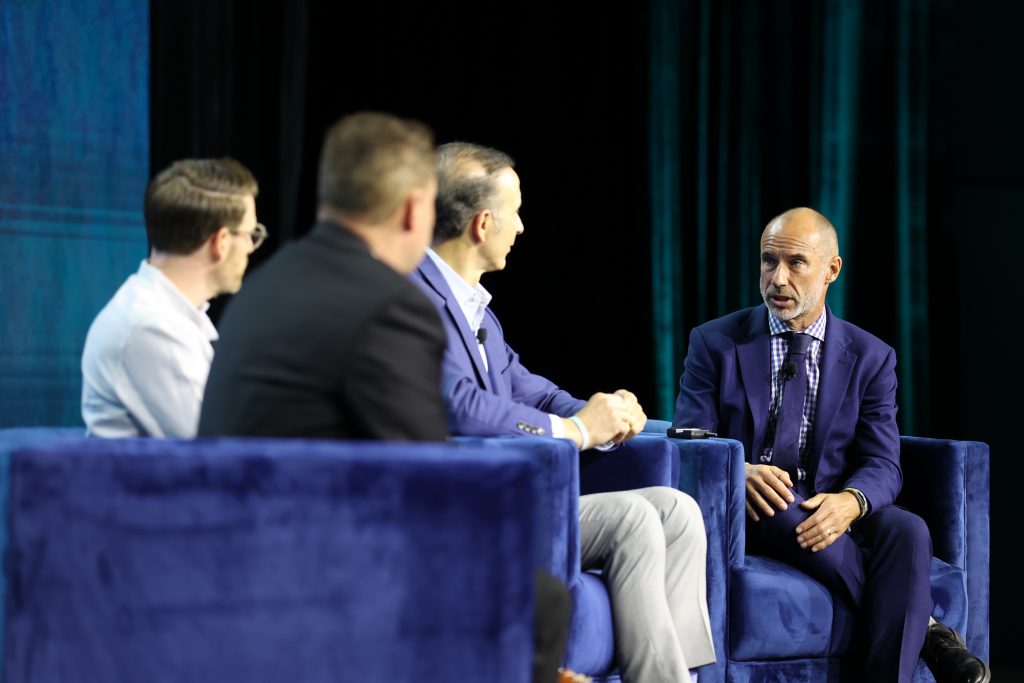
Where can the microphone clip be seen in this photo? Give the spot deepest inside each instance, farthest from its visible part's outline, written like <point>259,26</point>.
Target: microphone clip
<point>787,371</point>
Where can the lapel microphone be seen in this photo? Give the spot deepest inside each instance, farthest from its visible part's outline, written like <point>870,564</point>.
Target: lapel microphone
<point>788,371</point>
<point>481,336</point>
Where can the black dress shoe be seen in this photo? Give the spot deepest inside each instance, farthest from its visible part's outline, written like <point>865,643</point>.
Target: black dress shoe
<point>949,659</point>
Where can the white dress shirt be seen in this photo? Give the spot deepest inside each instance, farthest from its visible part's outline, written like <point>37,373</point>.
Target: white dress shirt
<point>146,360</point>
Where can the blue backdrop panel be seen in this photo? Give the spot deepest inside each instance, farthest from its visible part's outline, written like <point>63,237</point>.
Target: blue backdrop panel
<point>74,157</point>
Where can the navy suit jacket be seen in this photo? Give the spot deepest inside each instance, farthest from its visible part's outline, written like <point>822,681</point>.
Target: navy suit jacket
<point>504,399</point>
<point>726,388</point>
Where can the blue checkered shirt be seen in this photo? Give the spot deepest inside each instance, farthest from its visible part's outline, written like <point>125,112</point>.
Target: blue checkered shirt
<point>780,347</point>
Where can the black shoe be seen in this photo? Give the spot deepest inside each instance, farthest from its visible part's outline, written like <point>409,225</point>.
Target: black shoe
<point>949,659</point>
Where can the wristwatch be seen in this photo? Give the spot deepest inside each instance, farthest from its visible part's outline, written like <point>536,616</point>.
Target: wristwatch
<point>861,501</point>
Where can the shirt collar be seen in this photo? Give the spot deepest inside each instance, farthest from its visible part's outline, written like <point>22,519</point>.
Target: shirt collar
<point>816,330</point>
<point>154,277</point>
<point>472,300</point>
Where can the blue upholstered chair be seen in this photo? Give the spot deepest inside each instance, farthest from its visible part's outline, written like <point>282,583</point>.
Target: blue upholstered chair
<point>774,623</point>
<point>267,560</point>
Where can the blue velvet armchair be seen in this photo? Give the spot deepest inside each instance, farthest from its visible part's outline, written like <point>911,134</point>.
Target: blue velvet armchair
<point>774,623</point>
<point>266,560</point>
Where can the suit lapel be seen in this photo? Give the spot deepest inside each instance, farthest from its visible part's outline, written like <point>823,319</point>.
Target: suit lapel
<point>494,345</point>
<point>435,279</point>
<point>837,363</point>
<point>756,371</point>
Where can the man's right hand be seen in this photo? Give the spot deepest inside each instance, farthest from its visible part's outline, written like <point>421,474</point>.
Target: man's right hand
<point>768,488</point>
<point>606,417</point>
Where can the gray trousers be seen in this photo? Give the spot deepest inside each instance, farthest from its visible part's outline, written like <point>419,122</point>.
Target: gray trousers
<point>652,547</point>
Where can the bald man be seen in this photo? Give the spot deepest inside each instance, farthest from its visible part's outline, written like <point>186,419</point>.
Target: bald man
<point>813,400</point>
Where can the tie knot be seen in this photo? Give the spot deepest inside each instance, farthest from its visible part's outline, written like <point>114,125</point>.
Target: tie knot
<point>799,343</point>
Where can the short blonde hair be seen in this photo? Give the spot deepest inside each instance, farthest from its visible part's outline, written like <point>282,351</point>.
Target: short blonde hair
<point>370,161</point>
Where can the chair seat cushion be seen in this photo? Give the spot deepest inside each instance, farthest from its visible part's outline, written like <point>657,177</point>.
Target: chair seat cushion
<point>778,612</point>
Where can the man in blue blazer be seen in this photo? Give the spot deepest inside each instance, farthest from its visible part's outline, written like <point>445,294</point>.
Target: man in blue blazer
<point>651,542</point>
<point>813,400</point>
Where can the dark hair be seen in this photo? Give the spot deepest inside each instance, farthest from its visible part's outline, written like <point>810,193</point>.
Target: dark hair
<point>192,199</point>
<point>465,185</point>
<point>370,161</point>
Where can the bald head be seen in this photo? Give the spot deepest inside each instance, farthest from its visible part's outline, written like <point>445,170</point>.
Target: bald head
<point>799,260</point>
<point>809,222</point>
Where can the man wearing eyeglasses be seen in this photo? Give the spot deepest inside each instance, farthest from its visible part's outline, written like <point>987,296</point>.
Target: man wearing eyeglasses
<point>148,352</point>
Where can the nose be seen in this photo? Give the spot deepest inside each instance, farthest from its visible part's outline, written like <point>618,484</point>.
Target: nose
<point>780,276</point>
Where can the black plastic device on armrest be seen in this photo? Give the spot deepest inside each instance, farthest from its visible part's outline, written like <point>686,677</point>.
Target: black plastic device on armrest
<point>688,433</point>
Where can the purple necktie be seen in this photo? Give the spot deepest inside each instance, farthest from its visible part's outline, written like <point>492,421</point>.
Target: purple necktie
<point>786,452</point>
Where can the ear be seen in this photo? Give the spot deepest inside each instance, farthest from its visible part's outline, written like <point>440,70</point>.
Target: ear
<point>834,266</point>
<point>416,210</point>
<point>480,226</point>
<point>219,244</point>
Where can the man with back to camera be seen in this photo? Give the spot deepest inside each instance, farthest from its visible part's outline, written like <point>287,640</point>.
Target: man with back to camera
<point>331,340</point>
<point>148,352</point>
<point>328,339</point>
<point>651,542</point>
<point>813,400</point>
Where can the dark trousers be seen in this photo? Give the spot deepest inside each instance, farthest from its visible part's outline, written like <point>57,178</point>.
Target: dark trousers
<point>552,609</point>
<point>881,569</point>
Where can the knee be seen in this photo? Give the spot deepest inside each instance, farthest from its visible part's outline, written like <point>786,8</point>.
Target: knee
<point>640,520</point>
<point>902,529</point>
<point>680,514</point>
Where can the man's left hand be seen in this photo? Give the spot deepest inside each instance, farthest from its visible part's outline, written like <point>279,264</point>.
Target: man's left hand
<point>833,514</point>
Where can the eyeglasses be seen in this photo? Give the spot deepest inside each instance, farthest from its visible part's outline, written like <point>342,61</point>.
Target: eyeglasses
<point>258,235</point>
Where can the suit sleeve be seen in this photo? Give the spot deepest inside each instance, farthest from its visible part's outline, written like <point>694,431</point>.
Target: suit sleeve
<point>874,454</point>
<point>393,382</point>
<point>697,403</point>
<point>474,411</point>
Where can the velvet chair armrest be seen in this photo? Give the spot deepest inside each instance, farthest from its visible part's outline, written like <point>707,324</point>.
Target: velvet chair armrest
<point>947,484</point>
<point>643,461</point>
<point>557,493</point>
<point>711,470</point>
<point>10,440</point>
<point>273,560</point>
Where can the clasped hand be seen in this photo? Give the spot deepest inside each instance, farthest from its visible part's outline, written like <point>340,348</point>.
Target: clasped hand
<point>613,418</point>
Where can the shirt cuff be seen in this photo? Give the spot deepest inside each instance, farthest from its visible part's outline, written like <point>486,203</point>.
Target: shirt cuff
<point>557,427</point>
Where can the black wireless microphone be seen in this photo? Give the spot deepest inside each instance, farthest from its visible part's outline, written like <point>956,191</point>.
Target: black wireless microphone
<point>481,335</point>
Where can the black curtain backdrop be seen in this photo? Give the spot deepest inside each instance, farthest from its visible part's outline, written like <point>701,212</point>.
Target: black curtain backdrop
<point>902,118</point>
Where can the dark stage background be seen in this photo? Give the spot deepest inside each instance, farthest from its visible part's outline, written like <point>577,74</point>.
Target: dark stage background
<point>654,141</point>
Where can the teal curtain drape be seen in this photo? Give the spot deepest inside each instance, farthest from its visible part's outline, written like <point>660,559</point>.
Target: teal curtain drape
<point>74,141</point>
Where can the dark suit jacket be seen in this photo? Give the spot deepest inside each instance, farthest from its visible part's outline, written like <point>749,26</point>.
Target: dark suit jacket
<point>726,387</point>
<point>325,341</point>
<point>504,399</point>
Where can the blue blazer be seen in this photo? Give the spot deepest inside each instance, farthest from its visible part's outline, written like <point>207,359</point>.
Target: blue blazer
<point>726,387</point>
<point>504,399</point>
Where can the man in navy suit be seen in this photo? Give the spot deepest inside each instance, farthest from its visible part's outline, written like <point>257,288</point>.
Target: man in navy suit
<point>813,399</point>
<point>651,542</point>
